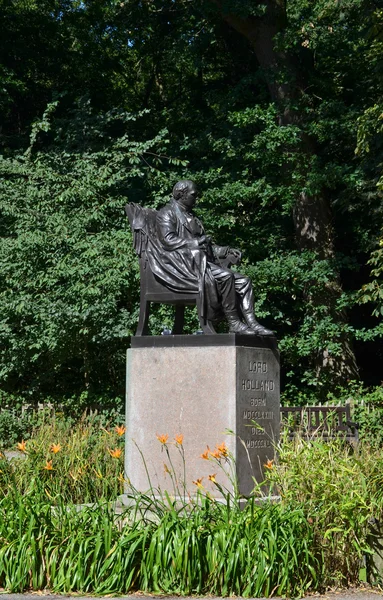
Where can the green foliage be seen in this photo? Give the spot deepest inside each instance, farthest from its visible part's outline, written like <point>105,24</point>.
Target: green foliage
<point>367,409</point>
<point>372,292</point>
<point>108,102</point>
<point>14,428</point>
<point>21,415</point>
<point>369,418</point>
<point>341,491</point>
<point>370,128</point>
<point>74,463</point>
<point>314,538</point>
<point>284,282</point>
<point>210,549</point>
<point>68,284</point>
<point>224,552</point>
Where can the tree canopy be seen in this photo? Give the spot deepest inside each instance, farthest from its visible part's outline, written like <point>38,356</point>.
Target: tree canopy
<point>274,109</point>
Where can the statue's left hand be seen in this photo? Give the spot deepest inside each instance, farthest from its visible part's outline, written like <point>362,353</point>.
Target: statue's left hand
<point>237,254</point>
<point>204,241</point>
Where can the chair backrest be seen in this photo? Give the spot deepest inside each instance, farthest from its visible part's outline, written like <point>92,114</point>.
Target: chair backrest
<point>143,224</point>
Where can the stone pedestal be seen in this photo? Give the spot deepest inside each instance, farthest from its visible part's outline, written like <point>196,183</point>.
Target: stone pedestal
<point>375,560</point>
<point>210,389</point>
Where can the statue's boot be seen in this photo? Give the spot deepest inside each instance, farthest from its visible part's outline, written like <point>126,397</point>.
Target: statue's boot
<point>236,325</point>
<point>255,326</point>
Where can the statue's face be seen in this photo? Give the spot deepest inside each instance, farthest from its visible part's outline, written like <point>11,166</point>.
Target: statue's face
<point>190,196</point>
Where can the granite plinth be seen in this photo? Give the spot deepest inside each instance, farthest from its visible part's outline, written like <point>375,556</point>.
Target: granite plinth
<point>203,391</point>
<point>222,339</point>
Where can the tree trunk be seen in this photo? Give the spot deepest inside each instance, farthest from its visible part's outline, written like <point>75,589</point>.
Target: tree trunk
<point>312,213</point>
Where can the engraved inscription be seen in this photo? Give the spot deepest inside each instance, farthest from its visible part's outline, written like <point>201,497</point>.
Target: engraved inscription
<point>257,431</point>
<point>257,412</point>
<point>259,415</point>
<point>263,385</point>
<point>257,401</point>
<point>258,443</point>
<point>258,366</point>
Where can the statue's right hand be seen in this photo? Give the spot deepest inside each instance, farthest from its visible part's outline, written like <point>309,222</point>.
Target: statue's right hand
<point>203,242</point>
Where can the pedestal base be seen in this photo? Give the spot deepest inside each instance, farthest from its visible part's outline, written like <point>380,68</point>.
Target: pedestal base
<point>210,389</point>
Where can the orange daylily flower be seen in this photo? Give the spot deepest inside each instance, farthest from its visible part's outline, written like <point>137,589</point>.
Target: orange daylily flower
<point>163,438</point>
<point>212,478</point>
<point>205,455</point>
<point>269,464</point>
<point>55,448</point>
<point>116,453</point>
<point>198,483</point>
<point>22,446</point>
<point>179,439</point>
<point>222,449</point>
<point>48,466</point>
<point>120,430</point>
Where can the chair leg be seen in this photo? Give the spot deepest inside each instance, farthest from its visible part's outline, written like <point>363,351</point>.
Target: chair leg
<point>206,326</point>
<point>179,320</point>
<point>142,328</point>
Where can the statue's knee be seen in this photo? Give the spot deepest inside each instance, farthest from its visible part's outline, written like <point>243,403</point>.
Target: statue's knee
<point>226,276</point>
<point>243,284</point>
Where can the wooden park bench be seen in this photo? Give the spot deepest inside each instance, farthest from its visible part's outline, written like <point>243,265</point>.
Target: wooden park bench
<point>324,422</point>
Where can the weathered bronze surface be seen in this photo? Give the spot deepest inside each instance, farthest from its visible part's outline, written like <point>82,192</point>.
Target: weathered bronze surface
<point>180,265</point>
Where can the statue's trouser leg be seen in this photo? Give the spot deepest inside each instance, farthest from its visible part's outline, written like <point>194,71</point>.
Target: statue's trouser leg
<point>232,285</point>
<point>244,289</point>
<point>225,282</point>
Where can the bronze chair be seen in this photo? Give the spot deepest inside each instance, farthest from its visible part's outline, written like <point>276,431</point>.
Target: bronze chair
<point>142,222</point>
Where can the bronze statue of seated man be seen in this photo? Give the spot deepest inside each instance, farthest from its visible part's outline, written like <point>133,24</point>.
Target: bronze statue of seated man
<point>183,258</point>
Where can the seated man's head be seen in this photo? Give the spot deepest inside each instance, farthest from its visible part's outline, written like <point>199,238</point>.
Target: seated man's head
<point>185,192</point>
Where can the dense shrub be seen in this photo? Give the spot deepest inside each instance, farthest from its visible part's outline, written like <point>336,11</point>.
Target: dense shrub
<point>341,491</point>
<point>20,416</point>
<point>368,414</point>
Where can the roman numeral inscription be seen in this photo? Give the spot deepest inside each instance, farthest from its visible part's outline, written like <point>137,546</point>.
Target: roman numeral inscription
<point>262,415</point>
